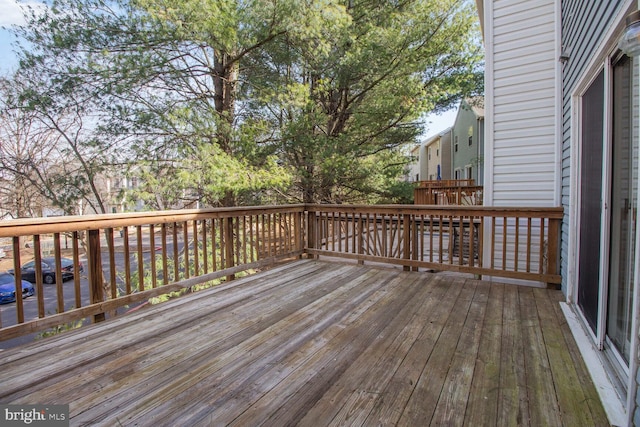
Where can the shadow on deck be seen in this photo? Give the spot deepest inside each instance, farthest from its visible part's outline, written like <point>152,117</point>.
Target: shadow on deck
<point>318,343</point>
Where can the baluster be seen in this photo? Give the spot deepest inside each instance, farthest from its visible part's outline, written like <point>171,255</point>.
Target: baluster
<point>152,255</point>
<point>58,257</point>
<point>127,260</point>
<point>18,279</point>
<point>140,259</point>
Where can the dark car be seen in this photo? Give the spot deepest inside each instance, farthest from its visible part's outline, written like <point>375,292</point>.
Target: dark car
<point>28,270</point>
<point>8,288</point>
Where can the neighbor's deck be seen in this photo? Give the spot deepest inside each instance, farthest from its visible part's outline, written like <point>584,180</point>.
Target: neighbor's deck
<point>317,343</point>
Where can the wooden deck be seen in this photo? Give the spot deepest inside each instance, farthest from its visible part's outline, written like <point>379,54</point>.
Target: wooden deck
<point>317,343</point>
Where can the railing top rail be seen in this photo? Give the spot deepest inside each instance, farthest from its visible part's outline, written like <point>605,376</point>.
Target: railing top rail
<point>451,187</point>
<point>60,224</point>
<point>447,183</point>
<point>498,211</point>
<point>32,226</point>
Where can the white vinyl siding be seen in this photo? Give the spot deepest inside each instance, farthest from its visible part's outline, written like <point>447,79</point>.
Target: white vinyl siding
<point>521,139</point>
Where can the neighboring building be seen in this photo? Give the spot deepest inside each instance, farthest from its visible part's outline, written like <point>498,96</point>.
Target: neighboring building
<point>413,168</point>
<point>468,141</point>
<point>445,154</point>
<point>435,158</point>
<point>562,121</point>
<point>117,188</point>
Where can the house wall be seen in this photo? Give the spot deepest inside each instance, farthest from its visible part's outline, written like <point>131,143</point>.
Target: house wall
<point>590,32</point>
<point>465,128</point>
<point>578,18</point>
<point>440,155</point>
<point>433,159</point>
<point>422,156</point>
<point>539,54</point>
<point>413,168</point>
<point>445,155</point>
<point>521,144</point>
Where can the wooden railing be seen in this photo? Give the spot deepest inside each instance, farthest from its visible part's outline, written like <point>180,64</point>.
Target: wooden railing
<point>522,243</point>
<point>133,257</point>
<point>443,195</point>
<point>448,183</point>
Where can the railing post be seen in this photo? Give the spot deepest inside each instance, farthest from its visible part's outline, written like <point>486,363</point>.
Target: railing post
<point>228,243</point>
<point>58,269</point>
<point>297,231</point>
<point>406,250</point>
<point>553,253</point>
<point>96,290</point>
<point>312,232</point>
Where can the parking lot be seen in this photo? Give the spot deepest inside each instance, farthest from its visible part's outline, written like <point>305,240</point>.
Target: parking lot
<point>8,314</point>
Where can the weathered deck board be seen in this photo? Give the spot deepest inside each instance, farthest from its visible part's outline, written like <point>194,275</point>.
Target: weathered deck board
<point>317,343</point>
<point>483,410</point>
<point>513,407</point>
<point>570,374</point>
<point>543,405</point>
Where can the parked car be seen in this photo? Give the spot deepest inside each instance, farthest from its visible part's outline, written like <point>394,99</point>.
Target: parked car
<point>28,270</point>
<point>8,288</point>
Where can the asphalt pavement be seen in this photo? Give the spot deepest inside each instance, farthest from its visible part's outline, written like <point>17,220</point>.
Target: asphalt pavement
<point>8,312</point>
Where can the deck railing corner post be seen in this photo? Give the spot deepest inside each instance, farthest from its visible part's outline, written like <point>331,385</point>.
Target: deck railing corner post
<point>553,254</point>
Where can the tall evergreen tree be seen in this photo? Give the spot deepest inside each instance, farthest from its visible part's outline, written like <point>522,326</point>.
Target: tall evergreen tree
<point>345,113</point>
<point>227,101</point>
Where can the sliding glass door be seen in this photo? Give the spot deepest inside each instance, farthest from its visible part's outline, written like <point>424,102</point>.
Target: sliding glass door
<point>624,180</point>
<point>607,208</point>
<point>591,162</point>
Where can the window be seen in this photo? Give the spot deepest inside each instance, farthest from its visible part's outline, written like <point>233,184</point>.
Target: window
<point>455,143</point>
<point>468,172</point>
<point>456,174</point>
<point>437,152</point>
<point>429,152</point>
<point>470,140</point>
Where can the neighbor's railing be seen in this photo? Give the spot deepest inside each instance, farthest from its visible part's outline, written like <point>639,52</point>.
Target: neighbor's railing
<point>136,256</point>
<point>460,196</point>
<point>133,257</point>
<point>519,243</point>
<point>461,192</point>
<point>447,183</point>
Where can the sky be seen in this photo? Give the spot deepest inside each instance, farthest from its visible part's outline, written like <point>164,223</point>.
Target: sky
<point>436,123</point>
<point>11,14</point>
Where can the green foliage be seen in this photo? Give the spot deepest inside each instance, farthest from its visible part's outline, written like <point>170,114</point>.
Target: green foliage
<point>230,102</point>
<point>344,112</point>
<point>56,330</point>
